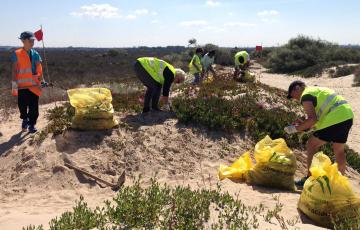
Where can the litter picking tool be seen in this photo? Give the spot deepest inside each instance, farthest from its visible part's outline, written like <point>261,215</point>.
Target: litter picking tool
<point>114,187</point>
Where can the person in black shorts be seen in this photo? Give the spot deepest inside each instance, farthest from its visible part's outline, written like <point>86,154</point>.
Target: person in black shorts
<point>329,114</point>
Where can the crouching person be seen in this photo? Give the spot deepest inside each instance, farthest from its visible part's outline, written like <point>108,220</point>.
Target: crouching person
<point>156,75</point>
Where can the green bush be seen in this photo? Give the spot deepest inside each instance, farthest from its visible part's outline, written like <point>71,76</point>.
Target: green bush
<point>343,71</point>
<point>243,114</point>
<point>163,207</point>
<point>309,57</point>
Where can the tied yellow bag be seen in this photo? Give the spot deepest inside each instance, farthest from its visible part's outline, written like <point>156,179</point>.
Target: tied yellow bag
<point>328,198</point>
<point>93,108</point>
<point>238,169</point>
<point>275,165</point>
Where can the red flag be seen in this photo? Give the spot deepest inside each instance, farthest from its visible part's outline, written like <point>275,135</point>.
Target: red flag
<point>259,48</point>
<point>39,35</point>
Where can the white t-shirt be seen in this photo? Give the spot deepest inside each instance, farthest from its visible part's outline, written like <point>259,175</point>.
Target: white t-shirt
<point>207,61</point>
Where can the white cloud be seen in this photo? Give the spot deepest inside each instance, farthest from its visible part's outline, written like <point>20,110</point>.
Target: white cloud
<point>131,16</point>
<point>239,24</point>
<point>155,21</point>
<point>193,23</point>
<point>231,14</point>
<point>212,3</point>
<point>268,13</point>
<point>141,11</point>
<point>154,13</point>
<point>97,11</point>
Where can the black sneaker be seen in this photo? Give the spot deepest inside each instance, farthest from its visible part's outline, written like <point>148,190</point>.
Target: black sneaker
<point>301,182</point>
<point>25,124</point>
<point>32,129</point>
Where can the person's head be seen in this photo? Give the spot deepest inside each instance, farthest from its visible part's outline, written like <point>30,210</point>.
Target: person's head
<point>212,53</point>
<point>199,51</point>
<point>27,39</point>
<point>179,76</point>
<point>241,60</point>
<point>296,88</point>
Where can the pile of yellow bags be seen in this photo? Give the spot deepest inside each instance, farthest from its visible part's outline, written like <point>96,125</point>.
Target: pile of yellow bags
<point>328,198</point>
<point>275,165</point>
<point>93,108</point>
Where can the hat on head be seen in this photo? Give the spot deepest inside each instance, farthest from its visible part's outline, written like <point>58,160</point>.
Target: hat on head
<point>293,85</point>
<point>27,35</point>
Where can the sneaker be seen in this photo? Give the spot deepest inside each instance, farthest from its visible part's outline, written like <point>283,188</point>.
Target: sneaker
<point>301,182</point>
<point>32,129</point>
<point>25,124</point>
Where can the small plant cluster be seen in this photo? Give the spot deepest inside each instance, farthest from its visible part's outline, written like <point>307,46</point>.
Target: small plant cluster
<point>164,207</point>
<point>309,57</point>
<point>210,107</point>
<point>343,71</point>
<point>59,120</point>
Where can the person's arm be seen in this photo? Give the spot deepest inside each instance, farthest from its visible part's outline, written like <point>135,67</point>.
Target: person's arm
<point>39,71</point>
<point>169,78</point>
<point>311,117</point>
<point>13,71</point>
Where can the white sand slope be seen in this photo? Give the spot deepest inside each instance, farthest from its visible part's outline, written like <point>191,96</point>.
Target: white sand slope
<point>35,185</point>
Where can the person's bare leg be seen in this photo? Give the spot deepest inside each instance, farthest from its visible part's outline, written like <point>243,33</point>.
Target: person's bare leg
<point>339,152</point>
<point>312,147</point>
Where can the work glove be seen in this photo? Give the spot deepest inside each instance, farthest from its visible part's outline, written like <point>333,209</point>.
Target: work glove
<point>14,85</point>
<point>291,129</point>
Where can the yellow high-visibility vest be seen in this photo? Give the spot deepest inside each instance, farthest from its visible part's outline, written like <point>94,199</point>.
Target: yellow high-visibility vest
<point>155,67</point>
<point>330,109</point>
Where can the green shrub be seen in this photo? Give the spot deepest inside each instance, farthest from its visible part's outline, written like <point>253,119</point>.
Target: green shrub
<point>309,57</point>
<point>343,71</point>
<point>163,207</point>
<point>59,120</point>
<point>243,114</point>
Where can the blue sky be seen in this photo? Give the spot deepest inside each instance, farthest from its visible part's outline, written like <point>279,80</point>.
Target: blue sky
<point>120,23</point>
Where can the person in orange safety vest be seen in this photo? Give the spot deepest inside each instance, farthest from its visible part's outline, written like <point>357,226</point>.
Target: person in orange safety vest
<point>27,81</point>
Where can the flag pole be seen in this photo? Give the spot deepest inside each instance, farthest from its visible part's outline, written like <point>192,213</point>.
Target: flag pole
<point>46,65</point>
<point>46,68</point>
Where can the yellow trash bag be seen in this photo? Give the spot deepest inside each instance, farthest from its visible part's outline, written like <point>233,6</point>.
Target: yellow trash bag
<point>238,169</point>
<point>275,164</point>
<point>249,77</point>
<point>328,198</point>
<point>93,108</point>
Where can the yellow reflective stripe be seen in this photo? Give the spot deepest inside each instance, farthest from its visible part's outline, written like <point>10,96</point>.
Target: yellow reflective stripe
<point>23,71</point>
<point>325,104</point>
<point>161,69</point>
<point>337,104</point>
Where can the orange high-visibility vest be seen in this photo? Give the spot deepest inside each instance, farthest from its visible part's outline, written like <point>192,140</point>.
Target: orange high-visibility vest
<point>24,76</point>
